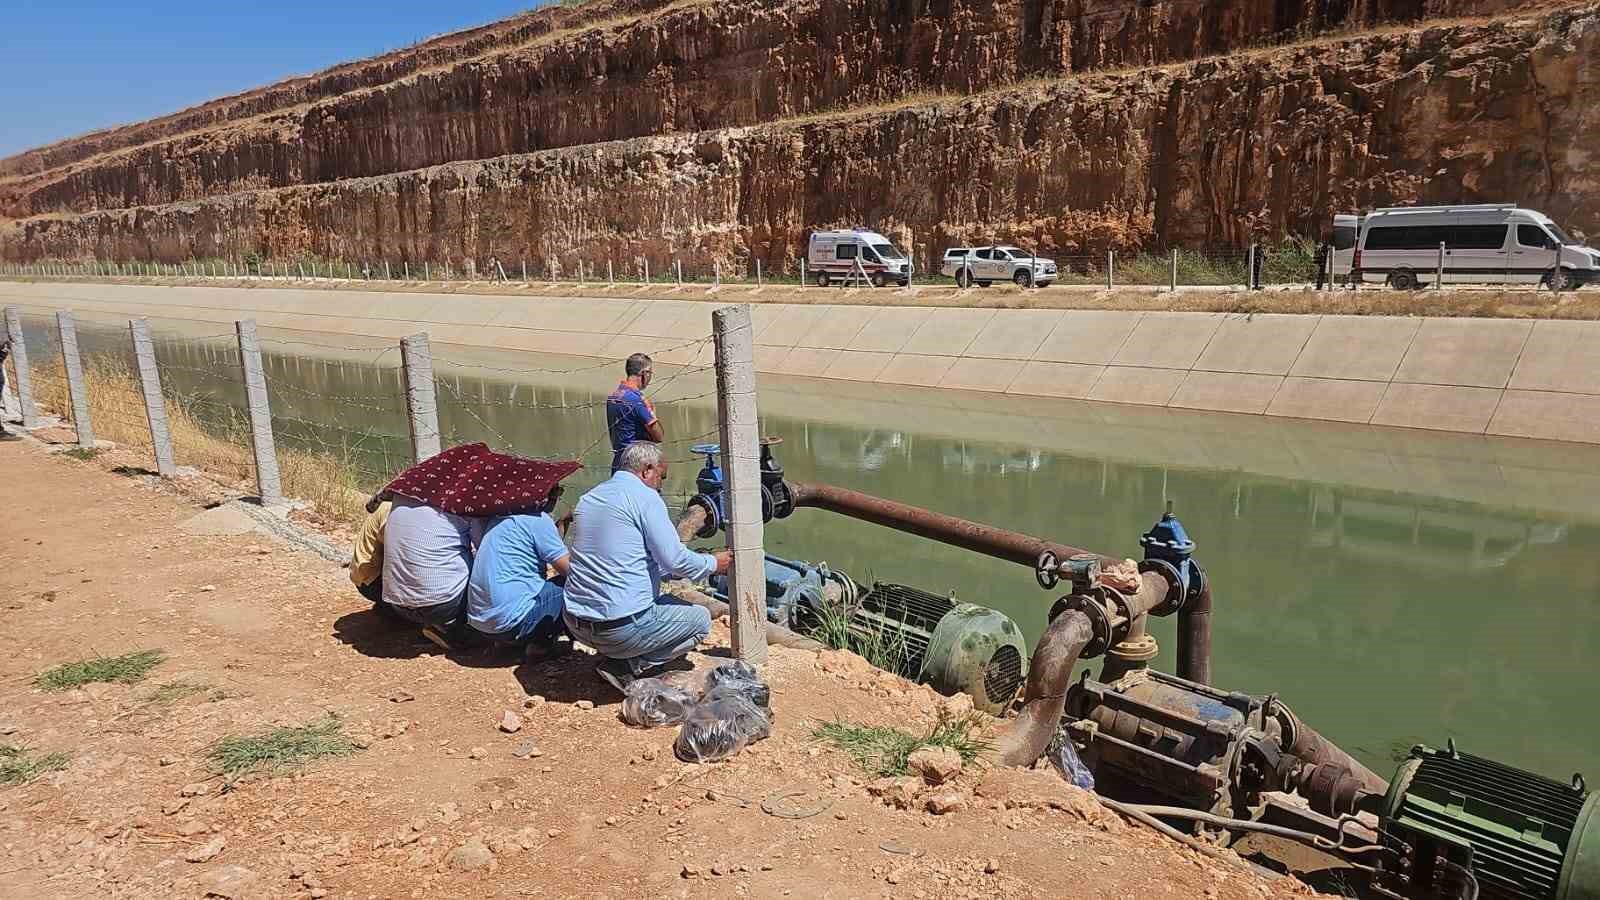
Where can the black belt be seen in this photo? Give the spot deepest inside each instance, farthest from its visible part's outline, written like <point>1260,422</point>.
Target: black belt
<point>617,623</point>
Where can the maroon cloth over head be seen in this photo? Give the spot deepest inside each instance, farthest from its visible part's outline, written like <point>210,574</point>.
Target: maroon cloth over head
<point>472,480</point>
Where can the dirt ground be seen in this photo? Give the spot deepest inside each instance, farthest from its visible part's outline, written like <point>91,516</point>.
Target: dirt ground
<point>96,559</point>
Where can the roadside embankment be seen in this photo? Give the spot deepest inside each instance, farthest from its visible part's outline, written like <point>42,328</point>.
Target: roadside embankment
<point>1508,377</point>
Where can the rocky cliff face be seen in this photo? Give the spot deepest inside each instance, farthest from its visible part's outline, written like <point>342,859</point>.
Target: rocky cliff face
<point>1201,154</point>
<point>680,67</point>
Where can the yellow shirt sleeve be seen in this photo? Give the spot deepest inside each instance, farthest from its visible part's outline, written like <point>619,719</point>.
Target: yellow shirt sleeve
<point>366,558</point>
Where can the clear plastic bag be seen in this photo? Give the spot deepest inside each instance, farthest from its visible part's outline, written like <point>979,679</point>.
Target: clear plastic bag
<point>1064,756</point>
<point>759,698</point>
<point>651,703</point>
<point>718,729</point>
<point>739,677</point>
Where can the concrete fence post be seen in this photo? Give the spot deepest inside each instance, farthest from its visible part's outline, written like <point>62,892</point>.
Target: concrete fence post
<point>422,406</point>
<point>1173,276</point>
<point>1111,270</point>
<point>611,277</point>
<point>406,265</point>
<point>75,383</point>
<point>716,273</point>
<point>1438,269</point>
<point>1328,265</point>
<point>733,335</point>
<point>427,271</point>
<point>803,281</point>
<point>386,270</point>
<point>268,484</point>
<point>647,271</point>
<point>758,272</point>
<point>155,405</point>
<point>1250,268</point>
<point>19,359</point>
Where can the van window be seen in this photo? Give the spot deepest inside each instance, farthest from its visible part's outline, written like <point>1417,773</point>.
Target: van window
<point>845,251</point>
<point>1532,236</point>
<point>1427,237</point>
<point>1478,237</point>
<point>887,251</point>
<point>1344,237</point>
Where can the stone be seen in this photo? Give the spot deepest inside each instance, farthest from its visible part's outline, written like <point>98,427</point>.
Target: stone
<point>167,761</point>
<point>584,704</point>
<point>510,722</point>
<point>7,728</point>
<point>232,882</point>
<point>208,851</point>
<point>471,856</point>
<point>527,749</point>
<point>896,876</point>
<point>173,807</point>
<point>991,866</point>
<point>611,820</point>
<point>900,792</point>
<point>477,753</point>
<point>690,870</point>
<point>648,754</point>
<point>197,789</point>
<point>946,801</point>
<point>401,696</point>
<point>936,765</point>
<point>533,702</point>
<point>192,827</point>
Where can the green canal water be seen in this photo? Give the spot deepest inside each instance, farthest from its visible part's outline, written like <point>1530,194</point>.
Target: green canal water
<point>1392,586</point>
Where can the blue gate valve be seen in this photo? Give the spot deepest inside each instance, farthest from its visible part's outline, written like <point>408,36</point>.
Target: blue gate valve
<point>712,487</point>
<point>1168,549</point>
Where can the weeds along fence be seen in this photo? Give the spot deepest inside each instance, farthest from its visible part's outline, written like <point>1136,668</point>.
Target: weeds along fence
<point>1292,262</point>
<point>327,420</point>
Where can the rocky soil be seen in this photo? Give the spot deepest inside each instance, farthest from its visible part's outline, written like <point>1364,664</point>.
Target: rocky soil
<point>476,776</point>
<point>724,132</point>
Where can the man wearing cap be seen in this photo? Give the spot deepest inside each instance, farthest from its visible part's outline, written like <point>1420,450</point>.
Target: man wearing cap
<point>623,541</point>
<point>629,416</point>
<point>510,598</point>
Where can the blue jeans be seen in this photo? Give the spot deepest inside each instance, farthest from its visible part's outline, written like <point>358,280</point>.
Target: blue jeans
<point>543,622</point>
<point>658,635</point>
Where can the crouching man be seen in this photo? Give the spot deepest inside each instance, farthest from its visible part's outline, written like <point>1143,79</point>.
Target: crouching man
<point>366,556</point>
<point>427,559</point>
<point>509,599</point>
<point>623,541</point>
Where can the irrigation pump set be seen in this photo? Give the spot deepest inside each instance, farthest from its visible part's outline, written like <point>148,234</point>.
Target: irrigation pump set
<point>1207,766</point>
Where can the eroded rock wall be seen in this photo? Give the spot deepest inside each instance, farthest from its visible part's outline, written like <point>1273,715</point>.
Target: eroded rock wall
<point>1211,153</point>
<point>683,67</point>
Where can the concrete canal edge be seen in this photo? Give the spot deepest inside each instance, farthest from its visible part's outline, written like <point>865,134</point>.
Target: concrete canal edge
<point>1511,377</point>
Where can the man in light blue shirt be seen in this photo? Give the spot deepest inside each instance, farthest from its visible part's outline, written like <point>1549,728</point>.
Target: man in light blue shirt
<point>427,558</point>
<point>509,601</point>
<point>623,541</point>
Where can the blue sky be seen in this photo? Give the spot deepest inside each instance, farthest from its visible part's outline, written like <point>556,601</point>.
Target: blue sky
<point>68,66</point>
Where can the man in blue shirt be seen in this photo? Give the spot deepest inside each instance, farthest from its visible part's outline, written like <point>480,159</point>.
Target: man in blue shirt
<point>629,416</point>
<point>509,601</point>
<point>623,541</point>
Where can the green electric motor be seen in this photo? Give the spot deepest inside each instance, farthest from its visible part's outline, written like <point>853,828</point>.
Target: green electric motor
<point>1455,821</point>
<point>954,647</point>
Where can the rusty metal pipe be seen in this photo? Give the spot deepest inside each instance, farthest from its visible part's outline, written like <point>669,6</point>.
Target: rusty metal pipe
<point>690,523</point>
<point>1194,636</point>
<point>1044,698</point>
<point>1310,746</point>
<point>1012,546</point>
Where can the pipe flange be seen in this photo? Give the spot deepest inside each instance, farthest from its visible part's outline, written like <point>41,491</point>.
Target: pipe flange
<point>713,517</point>
<point>1099,619</point>
<point>782,499</point>
<point>1141,649</point>
<point>1176,596</point>
<point>768,503</point>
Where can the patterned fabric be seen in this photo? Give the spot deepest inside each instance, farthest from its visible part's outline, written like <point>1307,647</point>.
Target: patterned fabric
<point>472,480</point>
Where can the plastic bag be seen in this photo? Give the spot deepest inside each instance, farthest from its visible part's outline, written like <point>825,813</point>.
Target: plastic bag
<point>742,692</point>
<point>718,729</point>
<point>1064,756</point>
<point>741,678</point>
<point>651,702</point>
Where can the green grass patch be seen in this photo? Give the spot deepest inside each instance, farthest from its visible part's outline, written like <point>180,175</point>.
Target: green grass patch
<point>834,625</point>
<point>883,751</point>
<point>281,750</point>
<point>129,668</point>
<point>83,454</point>
<point>18,765</point>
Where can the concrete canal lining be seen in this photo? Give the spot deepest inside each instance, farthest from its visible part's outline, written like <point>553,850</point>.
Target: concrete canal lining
<point>1510,377</point>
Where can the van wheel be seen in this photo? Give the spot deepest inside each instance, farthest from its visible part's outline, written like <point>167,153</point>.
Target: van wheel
<point>1023,278</point>
<point>878,280</point>
<point>1403,280</point>
<point>964,278</point>
<point>822,279</point>
<point>1558,280</point>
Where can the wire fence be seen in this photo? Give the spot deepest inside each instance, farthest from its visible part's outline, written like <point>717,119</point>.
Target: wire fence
<point>339,415</point>
<point>1289,263</point>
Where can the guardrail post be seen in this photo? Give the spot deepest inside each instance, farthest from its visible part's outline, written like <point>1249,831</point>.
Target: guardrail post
<point>19,359</point>
<point>1111,270</point>
<point>1438,272</point>
<point>75,384</point>
<point>1173,277</point>
<point>422,407</point>
<point>733,335</point>
<point>268,484</point>
<point>155,405</point>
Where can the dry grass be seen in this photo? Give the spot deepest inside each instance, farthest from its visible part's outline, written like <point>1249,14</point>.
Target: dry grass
<point>327,482</point>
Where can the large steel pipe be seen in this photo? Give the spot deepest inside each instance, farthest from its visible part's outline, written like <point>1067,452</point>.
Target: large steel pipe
<point>1012,546</point>
<point>1044,698</point>
<point>1194,636</point>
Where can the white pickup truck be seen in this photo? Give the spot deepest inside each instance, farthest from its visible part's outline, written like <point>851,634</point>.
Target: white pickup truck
<point>986,265</point>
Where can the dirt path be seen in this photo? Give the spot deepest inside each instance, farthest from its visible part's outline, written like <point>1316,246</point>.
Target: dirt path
<point>97,562</point>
